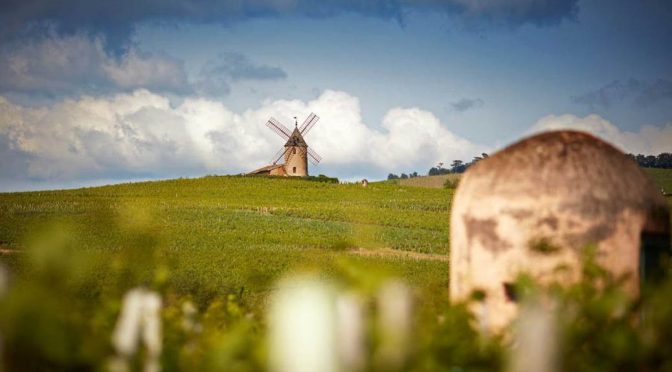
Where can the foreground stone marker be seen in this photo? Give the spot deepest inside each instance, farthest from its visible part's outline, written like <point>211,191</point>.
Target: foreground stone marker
<point>535,205</point>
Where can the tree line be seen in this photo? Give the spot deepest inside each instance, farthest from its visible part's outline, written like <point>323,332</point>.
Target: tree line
<point>662,160</point>
<point>402,176</point>
<point>458,166</point>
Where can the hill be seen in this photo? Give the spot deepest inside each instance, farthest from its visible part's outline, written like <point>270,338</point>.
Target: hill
<point>228,233</point>
<point>212,249</point>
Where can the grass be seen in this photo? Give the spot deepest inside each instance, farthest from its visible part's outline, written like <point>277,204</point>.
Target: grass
<point>223,242</point>
<point>233,233</point>
<point>663,177</point>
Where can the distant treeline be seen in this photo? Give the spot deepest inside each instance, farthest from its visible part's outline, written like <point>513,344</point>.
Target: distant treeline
<point>402,176</point>
<point>458,166</point>
<point>663,160</point>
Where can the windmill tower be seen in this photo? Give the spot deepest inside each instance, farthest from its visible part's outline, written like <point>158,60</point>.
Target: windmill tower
<point>295,152</point>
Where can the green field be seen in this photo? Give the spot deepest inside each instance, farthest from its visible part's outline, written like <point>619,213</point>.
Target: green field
<point>228,233</point>
<point>221,240</point>
<point>663,178</point>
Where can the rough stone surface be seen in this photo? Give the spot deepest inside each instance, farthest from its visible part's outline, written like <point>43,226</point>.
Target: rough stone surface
<point>535,205</point>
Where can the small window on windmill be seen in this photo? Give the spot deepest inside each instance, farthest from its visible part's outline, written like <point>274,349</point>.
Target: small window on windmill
<point>294,150</point>
<point>293,169</point>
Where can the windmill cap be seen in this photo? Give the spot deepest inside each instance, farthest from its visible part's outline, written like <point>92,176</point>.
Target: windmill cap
<point>296,139</point>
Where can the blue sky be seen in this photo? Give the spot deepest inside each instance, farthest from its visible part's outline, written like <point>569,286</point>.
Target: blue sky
<point>93,94</point>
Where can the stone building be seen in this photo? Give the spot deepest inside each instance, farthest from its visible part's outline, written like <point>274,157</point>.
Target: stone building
<point>536,205</point>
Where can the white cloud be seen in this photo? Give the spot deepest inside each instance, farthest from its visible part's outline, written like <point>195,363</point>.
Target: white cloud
<point>140,134</point>
<point>649,140</point>
<point>416,137</point>
<point>78,63</point>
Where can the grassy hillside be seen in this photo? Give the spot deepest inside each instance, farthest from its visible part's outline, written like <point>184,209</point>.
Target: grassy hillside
<point>228,233</point>
<point>663,177</point>
<point>212,249</point>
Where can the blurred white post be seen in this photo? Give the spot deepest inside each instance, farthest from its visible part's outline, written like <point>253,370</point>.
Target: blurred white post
<point>152,335</point>
<point>394,325</point>
<point>535,340</point>
<point>140,320</point>
<point>302,327</point>
<point>350,330</point>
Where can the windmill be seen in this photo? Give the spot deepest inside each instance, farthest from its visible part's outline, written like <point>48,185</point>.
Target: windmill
<point>295,152</point>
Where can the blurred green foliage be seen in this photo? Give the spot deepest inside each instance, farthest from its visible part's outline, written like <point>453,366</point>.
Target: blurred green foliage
<point>214,247</point>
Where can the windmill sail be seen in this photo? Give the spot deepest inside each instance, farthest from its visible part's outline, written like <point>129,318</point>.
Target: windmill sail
<point>278,128</point>
<point>278,155</point>
<point>308,123</point>
<point>314,157</point>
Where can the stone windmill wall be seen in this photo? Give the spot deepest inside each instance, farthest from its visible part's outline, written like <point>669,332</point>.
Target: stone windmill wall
<point>296,155</point>
<point>296,161</point>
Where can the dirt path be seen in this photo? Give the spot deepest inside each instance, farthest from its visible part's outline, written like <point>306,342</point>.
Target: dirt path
<point>395,253</point>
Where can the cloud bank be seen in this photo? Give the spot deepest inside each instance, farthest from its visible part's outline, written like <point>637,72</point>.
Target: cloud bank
<point>650,140</point>
<point>117,19</point>
<point>53,65</point>
<point>216,75</point>
<point>140,135</point>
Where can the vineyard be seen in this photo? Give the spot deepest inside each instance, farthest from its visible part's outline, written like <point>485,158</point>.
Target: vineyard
<point>214,251</point>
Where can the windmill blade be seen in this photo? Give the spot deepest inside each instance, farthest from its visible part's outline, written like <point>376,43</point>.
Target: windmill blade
<point>308,123</point>
<point>279,155</point>
<point>314,157</point>
<point>278,128</point>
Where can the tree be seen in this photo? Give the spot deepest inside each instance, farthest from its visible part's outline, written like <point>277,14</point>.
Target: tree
<point>650,161</point>
<point>458,166</point>
<point>662,160</point>
<point>392,176</point>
